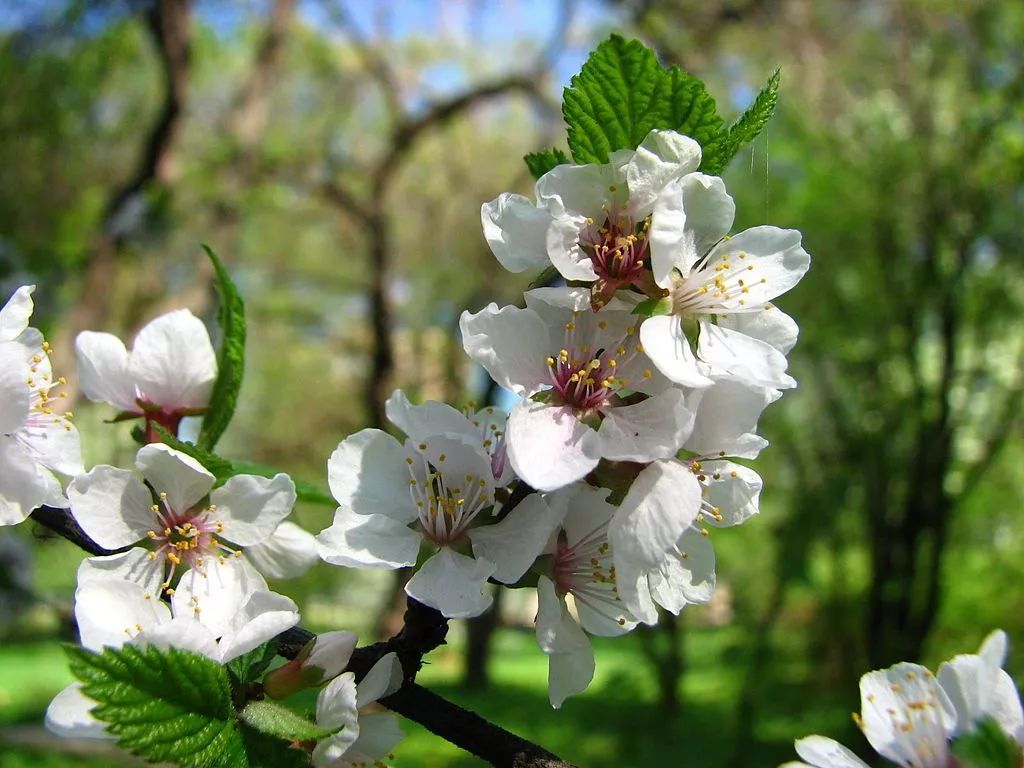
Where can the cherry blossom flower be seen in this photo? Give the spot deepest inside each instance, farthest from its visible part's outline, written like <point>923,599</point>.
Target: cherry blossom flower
<point>395,497</point>
<point>910,717</point>
<point>365,732</point>
<point>581,569</point>
<point>185,521</point>
<point>168,374</point>
<point>112,613</point>
<point>322,658</point>
<point>37,439</point>
<point>591,391</point>
<point>594,222</point>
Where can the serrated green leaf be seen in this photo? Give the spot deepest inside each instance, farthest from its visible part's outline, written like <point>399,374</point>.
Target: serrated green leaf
<point>220,468</point>
<point>230,362</point>
<point>167,706</point>
<point>275,719</point>
<point>541,162</point>
<point>250,666</point>
<point>747,128</point>
<point>616,99</point>
<point>305,491</point>
<point>654,306</point>
<point>987,747</point>
<point>689,108</point>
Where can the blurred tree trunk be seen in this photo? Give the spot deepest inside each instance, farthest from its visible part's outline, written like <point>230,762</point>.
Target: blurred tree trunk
<point>479,636</point>
<point>663,648</point>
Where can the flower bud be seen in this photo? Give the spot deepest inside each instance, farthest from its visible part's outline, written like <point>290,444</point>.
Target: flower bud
<point>321,659</point>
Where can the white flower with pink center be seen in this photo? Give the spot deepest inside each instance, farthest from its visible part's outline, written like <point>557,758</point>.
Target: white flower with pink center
<point>188,526</point>
<point>592,392</point>
<point>168,374</point>
<point>581,571</point>
<point>436,491</point>
<point>594,222</point>
<point>37,439</point>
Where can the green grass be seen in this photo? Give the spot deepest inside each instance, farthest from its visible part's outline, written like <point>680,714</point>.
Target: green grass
<point>616,722</point>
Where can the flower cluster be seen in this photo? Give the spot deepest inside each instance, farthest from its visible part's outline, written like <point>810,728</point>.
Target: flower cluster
<point>911,716</point>
<point>641,381</point>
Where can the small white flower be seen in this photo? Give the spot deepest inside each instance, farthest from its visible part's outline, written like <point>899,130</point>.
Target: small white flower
<point>581,567</point>
<point>37,440</point>
<point>395,497</point>
<point>364,736</point>
<point>113,613</point>
<point>186,525</point>
<point>574,364</point>
<point>168,374</point>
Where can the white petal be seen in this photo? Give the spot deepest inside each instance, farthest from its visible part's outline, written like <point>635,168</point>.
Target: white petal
<point>654,428</point>
<point>662,156</point>
<point>263,616</point>
<point>580,190</point>
<point>687,577</point>
<point>564,251</point>
<point>112,506</point>
<point>110,613</point>
<point>662,503</point>
<point>776,257</point>
<point>453,584</point>
<point>173,362</point>
<point>978,690</point>
<point>514,543</point>
<point>510,343</point>
<point>251,507</point>
<point>23,484</point>
<point>331,652</point>
<point>821,752</point>
<point>733,488</point>
<point>378,735</point>
<point>570,657</point>
<point>384,678</point>
<point>15,314</point>
<point>215,594</point>
<point>885,697</point>
<point>287,554</point>
<point>515,230</point>
<point>668,348</point>
<point>135,566</point>
<point>726,420</point>
<point>585,510</point>
<point>336,708</point>
<point>742,357</point>
<point>182,478</point>
<point>548,446</point>
<point>993,648</point>
<point>55,445</point>
<point>461,460</point>
<point>368,474</point>
<point>368,541</point>
<point>70,715</point>
<point>431,418</point>
<point>14,392</point>
<point>103,370</point>
<point>772,326</point>
<point>634,591</point>
<point>183,633</point>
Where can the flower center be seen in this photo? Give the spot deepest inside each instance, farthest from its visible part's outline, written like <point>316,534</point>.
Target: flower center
<point>41,413</point>
<point>189,537</point>
<point>584,570</point>
<point>585,375</point>
<point>617,248</point>
<point>446,507</point>
<point>713,286</point>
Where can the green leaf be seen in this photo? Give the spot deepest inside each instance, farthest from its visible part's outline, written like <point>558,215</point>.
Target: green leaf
<point>275,719</point>
<point>220,468</point>
<point>748,127</point>
<point>690,109</point>
<point>987,747</point>
<point>654,306</point>
<point>165,706</point>
<point>545,278</point>
<point>269,752</point>
<point>231,361</point>
<point>304,490</point>
<point>250,666</point>
<point>541,162</point>
<point>616,99</point>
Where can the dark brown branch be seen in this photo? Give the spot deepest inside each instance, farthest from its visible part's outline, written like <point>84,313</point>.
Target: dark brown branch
<point>423,631</point>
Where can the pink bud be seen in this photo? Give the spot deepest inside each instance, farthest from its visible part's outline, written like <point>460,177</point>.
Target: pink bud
<point>323,657</point>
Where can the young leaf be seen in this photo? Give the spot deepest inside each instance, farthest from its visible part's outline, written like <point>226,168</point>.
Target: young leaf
<point>230,363</point>
<point>987,747</point>
<point>250,666</point>
<point>165,706</point>
<point>747,128</point>
<point>654,306</point>
<point>614,101</point>
<point>274,719</point>
<point>541,162</point>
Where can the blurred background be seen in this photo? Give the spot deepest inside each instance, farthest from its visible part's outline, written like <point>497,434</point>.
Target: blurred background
<point>336,152</point>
